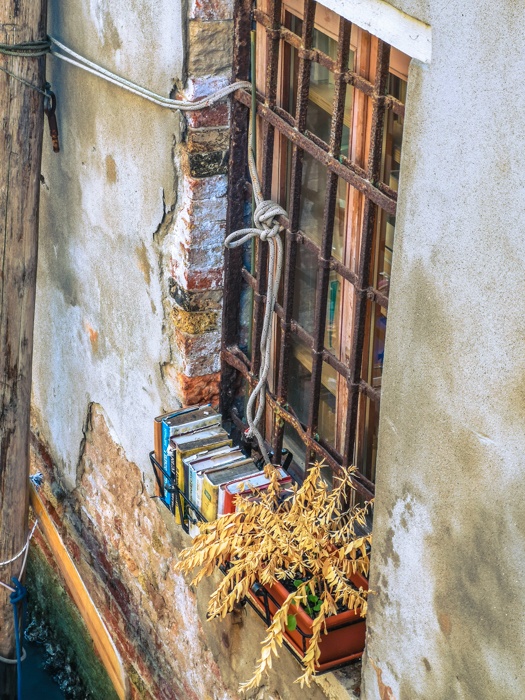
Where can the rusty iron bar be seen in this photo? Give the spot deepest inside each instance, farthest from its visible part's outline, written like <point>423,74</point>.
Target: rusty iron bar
<point>236,203</point>
<point>362,484</point>
<point>295,328</point>
<point>302,141</point>
<point>367,237</point>
<point>293,128</point>
<point>296,177</point>
<point>325,253</point>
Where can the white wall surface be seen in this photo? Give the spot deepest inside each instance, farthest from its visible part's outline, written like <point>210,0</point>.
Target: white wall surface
<point>449,569</point>
<point>99,316</point>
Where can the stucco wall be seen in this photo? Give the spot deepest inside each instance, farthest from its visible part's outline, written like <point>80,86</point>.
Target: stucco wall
<point>106,200</point>
<point>448,566</point>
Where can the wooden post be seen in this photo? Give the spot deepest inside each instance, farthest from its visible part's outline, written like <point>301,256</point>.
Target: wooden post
<point>21,121</point>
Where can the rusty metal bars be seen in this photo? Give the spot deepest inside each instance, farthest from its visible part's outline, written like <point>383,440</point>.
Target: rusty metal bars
<point>367,237</point>
<point>323,272</point>
<point>303,90</point>
<point>292,128</point>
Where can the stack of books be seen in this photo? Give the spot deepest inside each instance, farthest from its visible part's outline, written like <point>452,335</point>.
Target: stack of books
<point>181,433</point>
<point>197,454</point>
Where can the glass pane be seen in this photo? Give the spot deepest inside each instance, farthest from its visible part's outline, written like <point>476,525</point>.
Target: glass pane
<point>246,320</point>
<point>322,90</point>
<point>332,336</point>
<point>327,404</point>
<point>367,449</point>
<point>392,143</point>
<point>300,373</point>
<point>374,350</point>
<point>293,443</point>
<point>305,283</point>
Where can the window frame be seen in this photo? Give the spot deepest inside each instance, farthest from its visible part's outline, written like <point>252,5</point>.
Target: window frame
<point>365,183</point>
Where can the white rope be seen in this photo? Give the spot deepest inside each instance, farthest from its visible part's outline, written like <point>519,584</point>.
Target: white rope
<point>14,661</point>
<point>10,561</point>
<point>64,53</point>
<point>267,229</point>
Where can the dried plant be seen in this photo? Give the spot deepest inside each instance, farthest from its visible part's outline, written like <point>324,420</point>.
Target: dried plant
<point>309,539</point>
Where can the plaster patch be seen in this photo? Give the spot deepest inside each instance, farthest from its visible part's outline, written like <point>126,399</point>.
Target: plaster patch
<point>406,33</point>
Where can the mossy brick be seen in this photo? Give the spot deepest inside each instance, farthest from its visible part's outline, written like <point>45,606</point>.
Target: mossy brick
<point>208,164</point>
<point>195,300</point>
<point>194,322</point>
<point>210,47</point>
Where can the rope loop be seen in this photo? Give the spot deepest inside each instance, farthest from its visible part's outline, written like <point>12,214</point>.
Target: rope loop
<point>18,599</point>
<point>264,218</point>
<point>28,49</point>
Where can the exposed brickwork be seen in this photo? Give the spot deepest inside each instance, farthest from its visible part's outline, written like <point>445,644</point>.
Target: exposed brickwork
<point>124,544</point>
<point>197,239</point>
<point>210,9</point>
<point>210,46</point>
<point>200,389</point>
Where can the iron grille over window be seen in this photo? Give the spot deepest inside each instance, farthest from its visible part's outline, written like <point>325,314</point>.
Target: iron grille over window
<point>330,108</point>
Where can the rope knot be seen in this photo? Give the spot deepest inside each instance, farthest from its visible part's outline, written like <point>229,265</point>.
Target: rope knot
<point>264,218</point>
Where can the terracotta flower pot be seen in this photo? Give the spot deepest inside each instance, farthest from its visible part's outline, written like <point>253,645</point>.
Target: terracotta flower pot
<point>345,638</point>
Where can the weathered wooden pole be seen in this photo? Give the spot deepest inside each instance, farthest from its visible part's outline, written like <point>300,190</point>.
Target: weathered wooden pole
<point>21,119</point>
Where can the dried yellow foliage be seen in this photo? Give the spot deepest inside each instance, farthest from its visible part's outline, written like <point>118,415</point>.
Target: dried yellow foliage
<point>310,536</point>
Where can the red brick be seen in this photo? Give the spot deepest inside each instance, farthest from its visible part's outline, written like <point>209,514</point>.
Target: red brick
<point>203,389</point>
<point>210,9</point>
<point>216,115</point>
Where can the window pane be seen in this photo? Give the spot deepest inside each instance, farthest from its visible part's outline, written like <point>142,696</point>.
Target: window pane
<point>305,283</point>
<point>328,404</point>
<point>332,336</point>
<point>300,373</point>
<point>293,443</point>
<point>392,143</point>
<point>368,420</point>
<point>374,351</point>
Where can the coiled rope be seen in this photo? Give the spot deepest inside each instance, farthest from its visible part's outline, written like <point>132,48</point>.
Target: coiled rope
<point>266,228</point>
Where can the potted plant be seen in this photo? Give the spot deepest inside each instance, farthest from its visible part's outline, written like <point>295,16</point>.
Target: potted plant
<point>302,560</point>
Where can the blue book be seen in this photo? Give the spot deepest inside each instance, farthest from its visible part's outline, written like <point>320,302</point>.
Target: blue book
<point>184,421</point>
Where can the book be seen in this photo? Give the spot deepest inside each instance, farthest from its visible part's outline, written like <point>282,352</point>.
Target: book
<point>207,459</point>
<point>187,444</point>
<point>245,486</point>
<point>157,447</point>
<point>213,479</point>
<point>200,474</point>
<point>183,421</point>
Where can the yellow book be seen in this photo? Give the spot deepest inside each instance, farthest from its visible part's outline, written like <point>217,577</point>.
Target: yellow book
<point>184,446</point>
<point>213,479</point>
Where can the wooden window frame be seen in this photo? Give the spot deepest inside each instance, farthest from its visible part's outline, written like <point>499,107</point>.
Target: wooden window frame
<point>367,194</point>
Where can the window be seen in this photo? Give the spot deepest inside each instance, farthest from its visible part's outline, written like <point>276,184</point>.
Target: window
<point>330,108</point>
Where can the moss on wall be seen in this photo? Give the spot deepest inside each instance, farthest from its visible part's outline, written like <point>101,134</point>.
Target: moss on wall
<point>51,607</point>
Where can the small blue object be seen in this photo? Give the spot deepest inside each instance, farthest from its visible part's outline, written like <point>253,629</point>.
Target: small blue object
<point>19,598</point>
<point>37,479</point>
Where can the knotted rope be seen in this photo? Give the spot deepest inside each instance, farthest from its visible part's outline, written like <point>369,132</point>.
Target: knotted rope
<point>18,598</point>
<point>267,228</point>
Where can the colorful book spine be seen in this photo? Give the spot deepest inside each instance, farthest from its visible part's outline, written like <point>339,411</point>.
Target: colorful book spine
<point>228,493</point>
